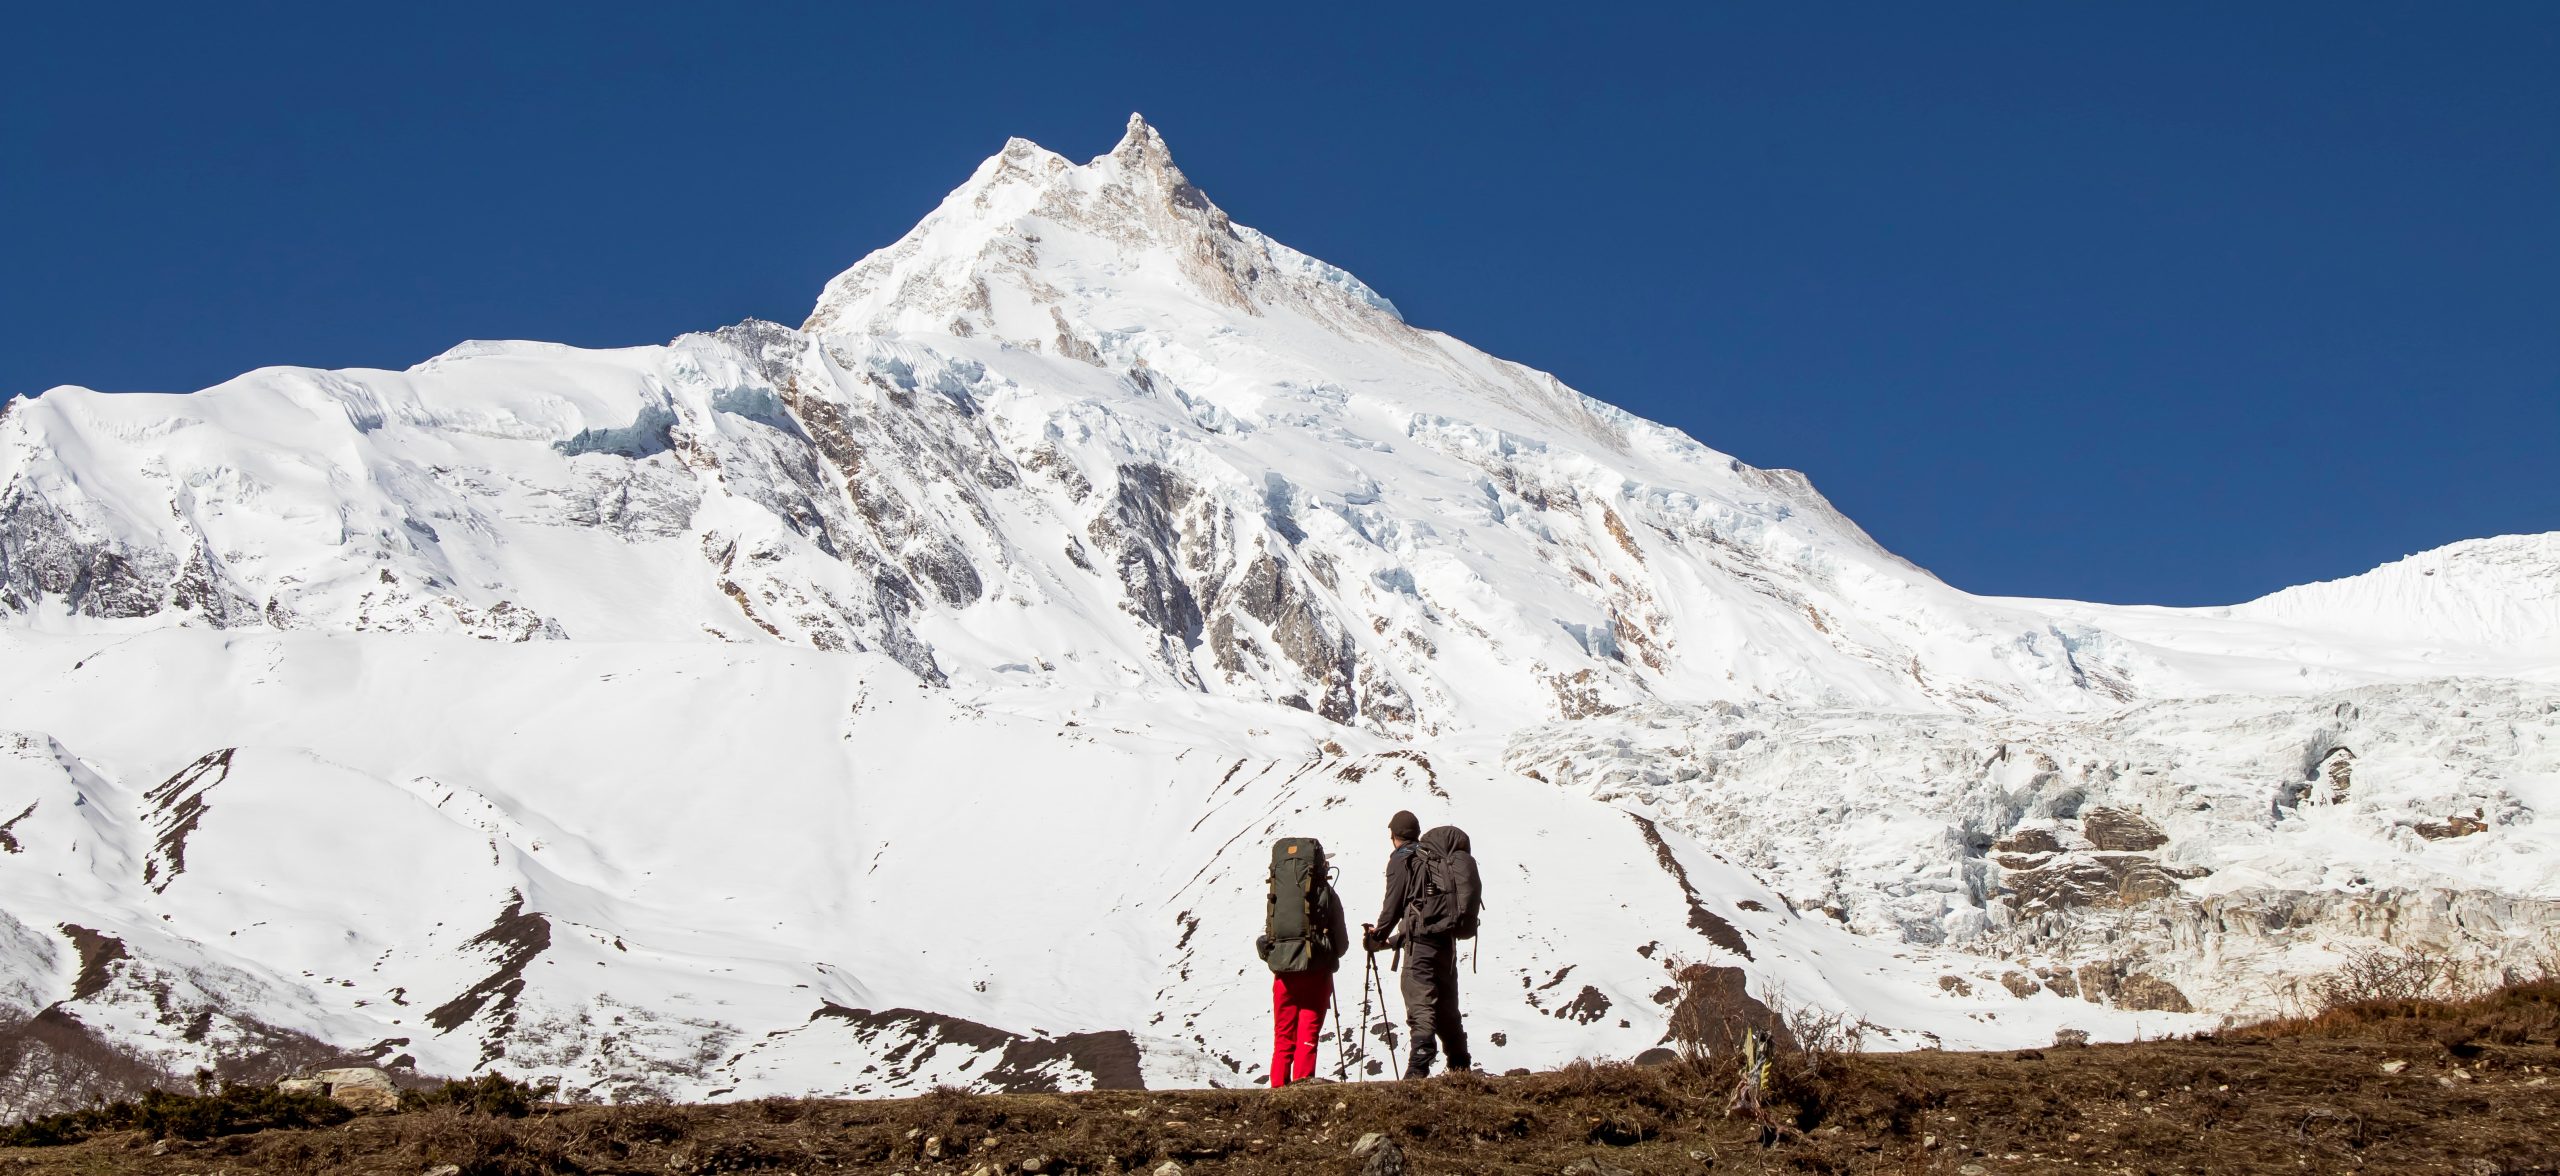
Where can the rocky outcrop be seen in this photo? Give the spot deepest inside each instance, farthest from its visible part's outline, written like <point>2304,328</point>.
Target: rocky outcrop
<point>1152,538</point>
<point>2458,825</point>
<point>2247,951</point>
<point>2148,993</point>
<point>1300,631</point>
<point>2093,879</point>
<point>2056,846</point>
<point>2120,831</point>
<point>362,1089</point>
<point>49,553</point>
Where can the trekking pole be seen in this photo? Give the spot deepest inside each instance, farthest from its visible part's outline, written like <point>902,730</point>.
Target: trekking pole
<point>1392,1062</point>
<point>1364,1026</point>
<point>1340,1063</point>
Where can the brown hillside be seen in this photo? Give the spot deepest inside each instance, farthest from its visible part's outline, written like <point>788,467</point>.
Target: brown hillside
<point>2389,1087</point>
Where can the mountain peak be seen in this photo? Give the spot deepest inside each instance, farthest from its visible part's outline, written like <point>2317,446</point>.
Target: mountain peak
<point>1142,142</point>
<point>1039,252</point>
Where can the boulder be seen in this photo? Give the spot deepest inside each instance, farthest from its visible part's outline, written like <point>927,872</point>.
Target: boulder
<point>355,1076</point>
<point>359,1088</point>
<point>366,1099</point>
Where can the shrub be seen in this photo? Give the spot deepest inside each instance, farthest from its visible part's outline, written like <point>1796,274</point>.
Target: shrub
<point>2386,974</point>
<point>2509,1015</point>
<point>490,1094</point>
<point>235,1109</point>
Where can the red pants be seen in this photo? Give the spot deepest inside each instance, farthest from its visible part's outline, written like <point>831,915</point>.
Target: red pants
<point>1298,1000</point>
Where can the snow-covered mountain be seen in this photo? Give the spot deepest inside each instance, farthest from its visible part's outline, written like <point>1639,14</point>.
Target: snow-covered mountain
<point>909,697</point>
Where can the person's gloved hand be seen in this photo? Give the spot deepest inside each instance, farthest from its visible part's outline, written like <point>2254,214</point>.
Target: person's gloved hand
<point>1262,946</point>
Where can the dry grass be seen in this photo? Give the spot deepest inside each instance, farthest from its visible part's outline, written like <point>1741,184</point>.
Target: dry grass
<point>2473,1083</point>
<point>2512,1015</point>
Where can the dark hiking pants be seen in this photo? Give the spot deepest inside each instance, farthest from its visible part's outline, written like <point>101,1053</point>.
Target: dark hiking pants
<point>1431,1003</point>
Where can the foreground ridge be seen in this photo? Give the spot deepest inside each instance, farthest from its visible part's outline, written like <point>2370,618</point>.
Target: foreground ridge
<point>2405,1086</point>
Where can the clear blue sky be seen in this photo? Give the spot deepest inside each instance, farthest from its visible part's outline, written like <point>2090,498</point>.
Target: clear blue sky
<point>2159,303</point>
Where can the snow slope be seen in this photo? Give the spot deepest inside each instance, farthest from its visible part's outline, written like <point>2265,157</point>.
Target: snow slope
<point>706,718</point>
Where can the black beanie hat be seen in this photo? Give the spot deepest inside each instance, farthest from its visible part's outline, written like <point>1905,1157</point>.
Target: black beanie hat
<point>1405,825</point>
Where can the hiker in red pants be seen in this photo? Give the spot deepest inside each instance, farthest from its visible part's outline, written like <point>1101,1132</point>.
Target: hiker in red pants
<point>1298,1001</point>
<point>1302,939</point>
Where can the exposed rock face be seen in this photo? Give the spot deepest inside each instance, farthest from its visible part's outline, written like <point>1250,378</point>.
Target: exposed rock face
<point>2149,993</point>
<point>2108,842</point>
<point>48,551</point>
<point>2121,831</point>
<point>1144,538</point>
<point>2028,843</point>
<point>2198,947</point>
<point>1022,1063</point>
<point>2459,825</point>
<point>2091,880</point>
<point>2338,769</point>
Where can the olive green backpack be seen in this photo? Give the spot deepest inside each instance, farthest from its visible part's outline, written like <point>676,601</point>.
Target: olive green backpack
<point>1293,921</point>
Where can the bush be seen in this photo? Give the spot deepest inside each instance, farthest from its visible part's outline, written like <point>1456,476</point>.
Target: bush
<point>2512,1014</point>
<point>2384,974</point>
<point>236,1109</point>
<point>491,1094</point>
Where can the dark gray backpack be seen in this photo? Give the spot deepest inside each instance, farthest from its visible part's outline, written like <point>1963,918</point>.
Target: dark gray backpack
<point>1293,921</point>
<point>1447,892</point>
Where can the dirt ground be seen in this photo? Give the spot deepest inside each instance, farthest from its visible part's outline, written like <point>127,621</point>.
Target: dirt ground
<point>2471,1089</point>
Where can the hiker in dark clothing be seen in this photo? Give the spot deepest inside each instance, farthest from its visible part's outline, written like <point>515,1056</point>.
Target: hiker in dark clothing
<point>1430,982</point>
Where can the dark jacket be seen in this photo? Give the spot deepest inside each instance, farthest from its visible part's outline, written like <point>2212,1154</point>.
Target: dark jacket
<point>1402,886</point>
<point>1337,936</point>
